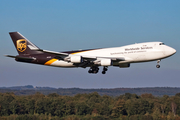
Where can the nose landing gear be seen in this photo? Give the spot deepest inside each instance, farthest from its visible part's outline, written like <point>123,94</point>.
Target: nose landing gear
<point>158,65</point>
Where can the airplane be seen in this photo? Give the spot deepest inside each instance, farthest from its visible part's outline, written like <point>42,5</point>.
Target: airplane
<point>94,58</point>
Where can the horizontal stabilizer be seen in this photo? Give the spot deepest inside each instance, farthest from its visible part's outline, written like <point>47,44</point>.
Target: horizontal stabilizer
<point>25,58</point>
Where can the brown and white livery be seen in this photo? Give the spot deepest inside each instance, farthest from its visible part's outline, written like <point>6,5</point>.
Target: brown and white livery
<point>93,58</point>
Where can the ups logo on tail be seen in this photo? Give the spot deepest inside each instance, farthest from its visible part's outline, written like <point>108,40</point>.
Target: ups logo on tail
<point>21,45</point>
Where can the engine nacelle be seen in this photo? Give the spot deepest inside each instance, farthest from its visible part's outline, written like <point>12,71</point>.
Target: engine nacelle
<point>76,59</point>
<point>106,62</point>
<point>125,65</point>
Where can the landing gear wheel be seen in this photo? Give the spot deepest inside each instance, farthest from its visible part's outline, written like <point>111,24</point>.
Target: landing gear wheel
<point>93,69</point>
<point>90,71</point>
<point>158,66</point>
<point>103,72</point>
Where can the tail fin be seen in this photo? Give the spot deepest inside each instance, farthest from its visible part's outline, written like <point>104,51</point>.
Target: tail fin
<point>23,45</point>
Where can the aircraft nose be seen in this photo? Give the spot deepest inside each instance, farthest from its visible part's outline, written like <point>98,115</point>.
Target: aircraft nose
<point>173,51</point>
<point>170,51</point>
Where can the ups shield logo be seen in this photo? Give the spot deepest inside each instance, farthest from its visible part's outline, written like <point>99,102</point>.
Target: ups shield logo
<point>21,45</point>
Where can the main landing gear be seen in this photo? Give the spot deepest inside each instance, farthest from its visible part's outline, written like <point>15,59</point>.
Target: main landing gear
<point>104,70</point>
<point>95,70</point>
<point>158,65</point>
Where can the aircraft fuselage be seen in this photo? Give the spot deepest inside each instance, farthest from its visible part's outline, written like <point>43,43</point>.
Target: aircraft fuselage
<point>93,58</point>
<point>141,52</point>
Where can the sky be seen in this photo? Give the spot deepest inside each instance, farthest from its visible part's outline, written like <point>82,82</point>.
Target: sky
<point>62,25</point>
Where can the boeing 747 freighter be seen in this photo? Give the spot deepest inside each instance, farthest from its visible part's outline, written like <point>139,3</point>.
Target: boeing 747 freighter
<point>116,56</point>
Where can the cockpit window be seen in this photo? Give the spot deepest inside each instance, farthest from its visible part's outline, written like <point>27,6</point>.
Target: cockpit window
<point>161,44</point>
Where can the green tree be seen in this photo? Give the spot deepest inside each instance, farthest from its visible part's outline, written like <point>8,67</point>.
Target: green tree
<point>18,106</point>
<point>119,108</point>
<point>156,114</point>
<point>5,100</point>
<point>82,109</point>
<point>59,107</point>
<point>30,106</point>
<point>40,106</point>
<point>70,107</point>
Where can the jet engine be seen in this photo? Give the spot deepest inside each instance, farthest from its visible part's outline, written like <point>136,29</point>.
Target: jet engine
<point>106,62</point>
<point>76,59</point>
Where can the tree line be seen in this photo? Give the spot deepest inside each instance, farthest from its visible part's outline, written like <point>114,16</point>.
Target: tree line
<point>29,90</point>
<point>90,106</point>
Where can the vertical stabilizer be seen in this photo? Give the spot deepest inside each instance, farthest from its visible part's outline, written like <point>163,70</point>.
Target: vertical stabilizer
<point>23,45</point>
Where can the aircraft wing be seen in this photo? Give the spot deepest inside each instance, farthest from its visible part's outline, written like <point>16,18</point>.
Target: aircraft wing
<point>61,54</point>
<point>84,56</point>
<point>87,60</point>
